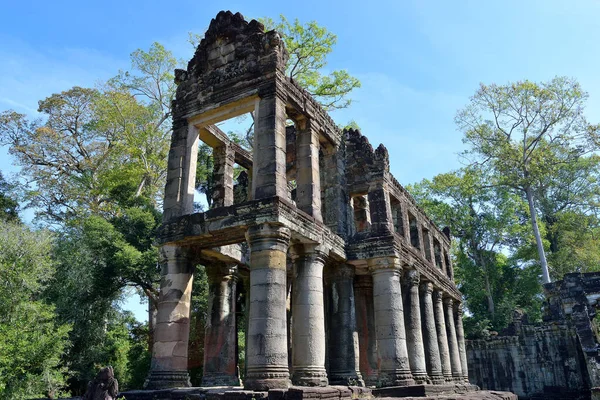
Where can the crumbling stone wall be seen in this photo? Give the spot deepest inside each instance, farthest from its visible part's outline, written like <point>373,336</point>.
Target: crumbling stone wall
<point>557,359</point>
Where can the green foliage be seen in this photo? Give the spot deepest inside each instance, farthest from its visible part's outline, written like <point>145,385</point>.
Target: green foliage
<point>308,46</point>
<point>487,221</point>
<point>8,205</point>
<point>528,134</point>
<point>31,340</point>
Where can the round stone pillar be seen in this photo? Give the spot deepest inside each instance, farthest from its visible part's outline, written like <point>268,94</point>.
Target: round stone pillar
<point>460,336</point>
<point>394,368</point>
<point>267,353</point>
<point>414,337</point>
<point>308,317</point>
<point>220,339</point>
<point>452,341</point>
<point>440,325</point>
<point>432,352</point>
<point>171,335</point>
<point>343,338</point>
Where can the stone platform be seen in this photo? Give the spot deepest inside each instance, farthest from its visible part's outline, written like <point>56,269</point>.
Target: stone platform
<point>439,392</point>
<point>232,393</point>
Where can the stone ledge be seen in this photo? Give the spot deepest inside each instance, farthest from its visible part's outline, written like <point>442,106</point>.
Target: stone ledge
<point>425,390</point>
<point>479,395</point>
<point>230,393</point>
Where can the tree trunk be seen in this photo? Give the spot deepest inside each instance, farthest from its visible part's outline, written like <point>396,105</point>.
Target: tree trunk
<point>488,288</point>
<point>538,237</point>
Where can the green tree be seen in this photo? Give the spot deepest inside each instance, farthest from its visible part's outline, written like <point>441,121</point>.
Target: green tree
<point>31,340</point>
<point>524,132</point>
<point>308,46</point>
<point>486,221</point>
<point>8,205</point>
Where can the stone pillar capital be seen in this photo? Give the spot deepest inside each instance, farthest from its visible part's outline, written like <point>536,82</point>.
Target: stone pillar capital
<point>379,264</point>
<point>438,295</point>
<point>412,277</point>
<point>268,237</point>
<point>448,302</point>
<point>220,271</point>
<point>313,250</point>
<point>426,287</point>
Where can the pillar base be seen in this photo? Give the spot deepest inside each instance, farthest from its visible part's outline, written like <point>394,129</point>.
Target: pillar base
<point>437,379</point>
<point>395,378</point>
<point>310,377</point>
<point>269,378</point>
<point>167,380</point>
<point>421,378</point>
<point>220,380</point>
<point>349,379</point>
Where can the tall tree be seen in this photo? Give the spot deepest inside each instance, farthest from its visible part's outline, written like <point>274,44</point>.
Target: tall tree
<point>484,219</point>
<point>524,132</point>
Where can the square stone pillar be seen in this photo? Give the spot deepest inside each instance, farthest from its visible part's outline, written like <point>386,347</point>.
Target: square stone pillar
<point>336,210</point>
<point>220,339</point>
<point>267,352</point>
<point>381,211</point>
<point>181,171</point>
<point>308,179</point>
<point>412,318</point>
<point>365,325</point>
<point>269,165</point>
<point>394,367</point>
<point>169,367</point>
<point>308,317</point>
<point>440,326</point>
<point>362,214</point>
<point>343,338</point>
<point>224,160</point>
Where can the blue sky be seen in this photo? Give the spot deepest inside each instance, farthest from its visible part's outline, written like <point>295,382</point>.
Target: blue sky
<point>418,61</point>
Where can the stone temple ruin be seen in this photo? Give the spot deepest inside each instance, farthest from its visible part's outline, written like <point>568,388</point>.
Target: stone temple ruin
<point>347,280</point>
<point>557,359</point>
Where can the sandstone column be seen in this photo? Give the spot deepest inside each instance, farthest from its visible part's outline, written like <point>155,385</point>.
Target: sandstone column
<point>440,325</point>
<point>268,172</point>
<point>266,353</point>
<point>308,317</point>
<point>432,352</point>
<point>171,335</point>
<point>308,197</point>
<point>394,368</point>
<point>224,160</point>
<point>343,338</point>
<point>414,337</point>
<point>365,326</point>
<point>220,339</point>
<point>452,341</point>
<point>460,336</point>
